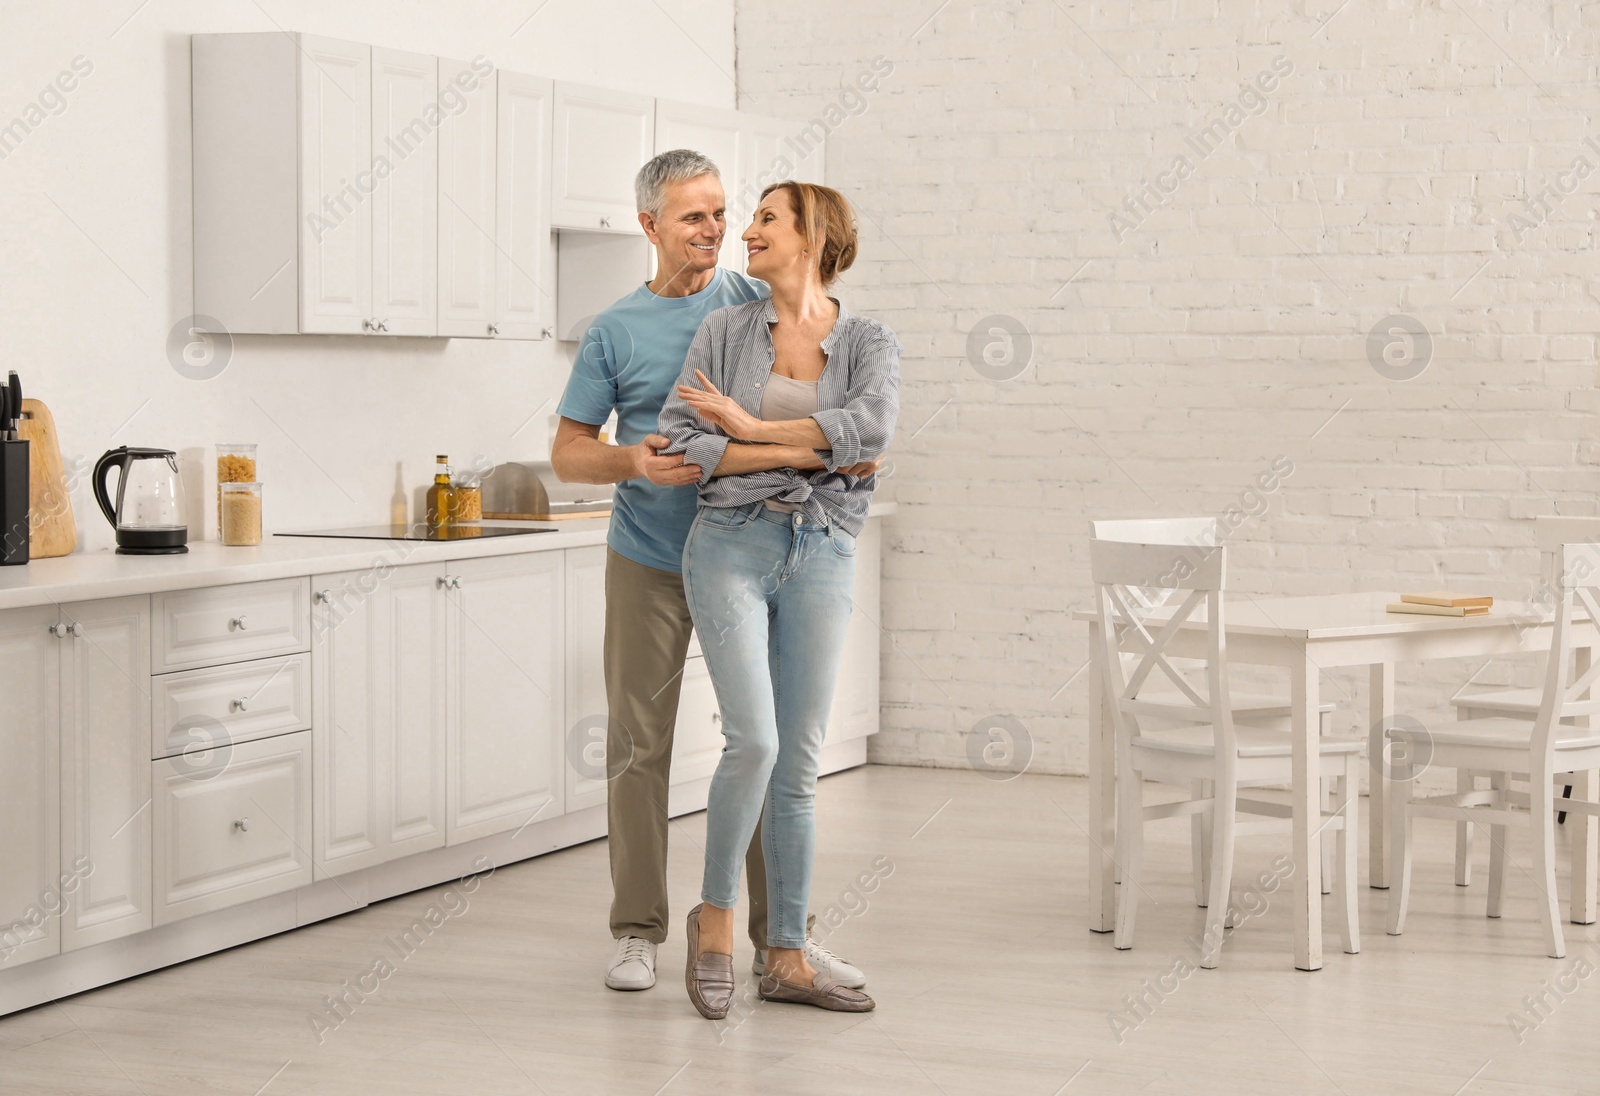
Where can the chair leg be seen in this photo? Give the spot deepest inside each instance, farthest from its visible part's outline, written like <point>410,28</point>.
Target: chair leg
<point>1399,854</point>
<point>1500,783</point>
<point>1199,845</point>
<point>1330,803</point>
<point>1224,804</point>
<point>1349,794</point>
<point>1466,781</point>
<point>1541,806</point>
<point>1130,850</point>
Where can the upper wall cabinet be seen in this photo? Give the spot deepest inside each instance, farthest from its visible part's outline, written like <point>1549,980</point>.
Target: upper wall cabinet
<point>602,138</point>
<point>752,153</point>
<point>315,186</point>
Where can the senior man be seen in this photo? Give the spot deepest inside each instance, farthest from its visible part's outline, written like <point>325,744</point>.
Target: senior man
<point>628,362</point>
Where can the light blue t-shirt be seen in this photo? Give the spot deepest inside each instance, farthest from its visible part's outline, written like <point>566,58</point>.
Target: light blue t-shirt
<point>629,360</point>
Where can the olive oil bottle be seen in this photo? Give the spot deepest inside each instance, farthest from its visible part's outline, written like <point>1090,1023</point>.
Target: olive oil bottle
<point>441,496</point>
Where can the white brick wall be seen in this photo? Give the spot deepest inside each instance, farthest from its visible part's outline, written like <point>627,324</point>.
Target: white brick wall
<point>1379,177</point>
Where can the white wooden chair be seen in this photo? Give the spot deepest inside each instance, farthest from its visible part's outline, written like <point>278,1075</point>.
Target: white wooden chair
<point>1550,533</point>
<point>1208,745</point>
<point>1561,738</point>
<point>1249,709</point>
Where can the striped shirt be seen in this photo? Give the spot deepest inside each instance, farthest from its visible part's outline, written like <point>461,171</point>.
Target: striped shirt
<point>858,400</point>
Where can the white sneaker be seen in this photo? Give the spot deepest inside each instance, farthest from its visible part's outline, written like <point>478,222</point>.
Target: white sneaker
<point>633,966</point>
<point>824,961</point>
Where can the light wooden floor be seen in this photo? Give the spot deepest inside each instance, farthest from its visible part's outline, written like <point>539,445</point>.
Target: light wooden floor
<point>987,983</point>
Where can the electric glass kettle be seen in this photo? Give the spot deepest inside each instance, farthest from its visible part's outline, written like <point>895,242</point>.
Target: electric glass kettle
<point>149,513</point>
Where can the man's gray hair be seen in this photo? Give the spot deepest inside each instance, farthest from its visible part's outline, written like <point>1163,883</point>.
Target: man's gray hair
<point>677,166</point>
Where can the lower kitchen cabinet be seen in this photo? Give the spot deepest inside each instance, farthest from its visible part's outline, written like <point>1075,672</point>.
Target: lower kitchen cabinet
<point>231,833</point>
<point>697,737</point>
<point>507,709</point>
<point>31,892</point>
<point>855,693</point>
<point>378,648</point>
<point>584,729</point>
<point>105,766</point>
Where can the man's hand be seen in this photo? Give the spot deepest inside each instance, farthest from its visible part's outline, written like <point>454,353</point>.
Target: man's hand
<point>865,468</point>
<point>664,471</point>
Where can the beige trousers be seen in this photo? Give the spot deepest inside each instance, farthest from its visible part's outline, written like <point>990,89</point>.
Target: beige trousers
<point>647,637</point>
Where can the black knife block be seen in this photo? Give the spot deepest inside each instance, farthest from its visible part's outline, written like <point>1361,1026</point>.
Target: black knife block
<point>15,520</point>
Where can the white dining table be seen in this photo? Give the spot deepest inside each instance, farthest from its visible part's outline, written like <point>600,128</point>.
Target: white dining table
<point>1305,636</point>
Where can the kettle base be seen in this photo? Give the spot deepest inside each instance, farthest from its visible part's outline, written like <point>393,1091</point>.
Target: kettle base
<point>171,551</point>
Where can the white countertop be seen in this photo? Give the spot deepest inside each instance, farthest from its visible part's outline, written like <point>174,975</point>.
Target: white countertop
<point>84,576</point>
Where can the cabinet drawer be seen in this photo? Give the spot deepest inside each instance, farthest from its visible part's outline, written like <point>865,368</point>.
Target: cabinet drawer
<point>232,834</point>
<point>193,628</point>
<point>198,710</point>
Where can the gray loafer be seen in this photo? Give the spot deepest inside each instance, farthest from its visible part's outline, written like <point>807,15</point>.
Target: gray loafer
<point>709,977</point>
<point>823,992</point>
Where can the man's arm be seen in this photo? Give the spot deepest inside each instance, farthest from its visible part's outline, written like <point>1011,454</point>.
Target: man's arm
<point>579,456</point>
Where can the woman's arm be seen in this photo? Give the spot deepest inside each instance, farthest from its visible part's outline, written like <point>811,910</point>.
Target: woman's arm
<point>861,430</point>
<point>726,413</point>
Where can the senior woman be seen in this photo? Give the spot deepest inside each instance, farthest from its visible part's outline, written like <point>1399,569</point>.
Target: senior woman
<point>769,565</point>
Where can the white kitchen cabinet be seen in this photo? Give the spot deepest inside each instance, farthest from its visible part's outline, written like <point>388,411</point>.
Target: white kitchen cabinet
<point>507,704</point>
<point>378,741</point>
<point>524,301</point>
<point>855,696</point>
<point>585,726</point>
<point>232,833</point>
<point>315,185</point>
<point>467,194</point>
<point>105,769</point>
<point>31,892</point>
<point>697,739</point>
<point>405,204</point>
<point>602,139</point>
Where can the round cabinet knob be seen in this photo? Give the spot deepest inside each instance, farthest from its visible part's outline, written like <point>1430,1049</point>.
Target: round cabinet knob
<point>242,704</point>
<point>77,629</point>
<point>383,325</point>
<point>444,582</point>
<point>547,332</point>
<point>494,329</point>
<point>60,631</point>
<point>716,717</point>
<point>366,325</point>
<point>238,623</point>
<point>605,222</point>
<point>323,596</point>
<point>242,825</point>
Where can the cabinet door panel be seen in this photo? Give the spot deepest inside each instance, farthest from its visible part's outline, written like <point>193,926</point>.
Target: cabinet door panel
<point>855,696</point>
<point>336,184</point>
<point>522,224</point>
<point>467,255</point>
<point>697,739</point>
<point>105,767</point>
<point>585,727</point>
<point>602,138</point>
<point>405,231</point>
<point>31,892</point>
<point>414,763</point>
<point>507,703</point>
<point>378,641</point>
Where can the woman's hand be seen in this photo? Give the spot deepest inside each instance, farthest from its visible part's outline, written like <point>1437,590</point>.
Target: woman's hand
<point>864,469</point>
<point>719,410</point>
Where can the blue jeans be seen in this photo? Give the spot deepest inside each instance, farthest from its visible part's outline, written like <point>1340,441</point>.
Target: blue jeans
<point>770,596</point>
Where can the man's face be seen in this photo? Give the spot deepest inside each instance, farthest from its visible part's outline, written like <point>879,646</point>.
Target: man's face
<point>688,234</point>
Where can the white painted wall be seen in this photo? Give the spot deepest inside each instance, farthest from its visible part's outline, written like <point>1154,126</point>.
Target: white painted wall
<point>95,259</point>
<point>1176,355</point>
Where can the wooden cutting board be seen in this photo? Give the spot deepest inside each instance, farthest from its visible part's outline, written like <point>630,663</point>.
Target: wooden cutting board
<point>52,530</point>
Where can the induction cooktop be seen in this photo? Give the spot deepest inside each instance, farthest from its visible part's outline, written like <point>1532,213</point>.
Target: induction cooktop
<point>417,532</point>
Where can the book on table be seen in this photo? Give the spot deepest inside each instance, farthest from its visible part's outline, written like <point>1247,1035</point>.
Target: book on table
<point>1443,603</point>
<point>1446,599</point>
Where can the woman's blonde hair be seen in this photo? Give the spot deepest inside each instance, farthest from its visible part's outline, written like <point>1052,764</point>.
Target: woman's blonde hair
<point>825,216</point>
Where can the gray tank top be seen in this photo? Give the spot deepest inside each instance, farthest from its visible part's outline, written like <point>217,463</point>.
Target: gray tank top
<point>786,398</point>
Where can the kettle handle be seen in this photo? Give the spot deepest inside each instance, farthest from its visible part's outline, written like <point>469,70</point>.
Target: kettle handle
<point>115,457</point>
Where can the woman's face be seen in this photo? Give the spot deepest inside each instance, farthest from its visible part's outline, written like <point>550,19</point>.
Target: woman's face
<point>773,239</point>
